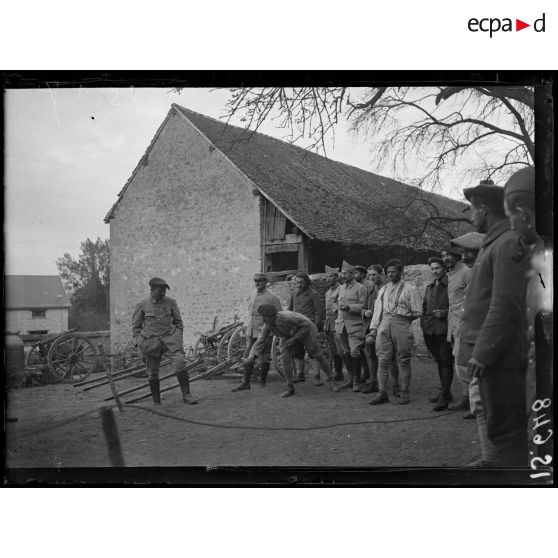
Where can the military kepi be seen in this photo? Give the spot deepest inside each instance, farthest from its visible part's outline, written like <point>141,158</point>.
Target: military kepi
<point>158,282</point>
<point>348,267</point>
<point>329,270</point>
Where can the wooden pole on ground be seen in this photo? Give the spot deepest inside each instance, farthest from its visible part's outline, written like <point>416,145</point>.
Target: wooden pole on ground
<point>122,376</point>
<point>110,380</point>
<point>206,374</point>
<point>135,369</point>
<point>146,384</point>
<point>111,437</point>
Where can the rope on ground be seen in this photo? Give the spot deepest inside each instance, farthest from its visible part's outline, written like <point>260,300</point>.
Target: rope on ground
<point>58,424</point>
<point>286,428</point>
<point>229,426</point>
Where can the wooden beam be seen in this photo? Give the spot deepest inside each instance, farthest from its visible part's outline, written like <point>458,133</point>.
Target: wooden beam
<point>274,248</point>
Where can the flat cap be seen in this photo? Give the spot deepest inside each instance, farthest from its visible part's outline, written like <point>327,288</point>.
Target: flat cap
<point>158,282</point>
<point>451,250</point>
<point>329,270</point>
<point>260,277</point>
<point>469,241</point>
<point>486,190</point>
<point>521,181</point>
<point>348,267</point>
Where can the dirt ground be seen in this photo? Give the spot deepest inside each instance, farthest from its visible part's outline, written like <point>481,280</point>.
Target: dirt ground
<point>313,428</point>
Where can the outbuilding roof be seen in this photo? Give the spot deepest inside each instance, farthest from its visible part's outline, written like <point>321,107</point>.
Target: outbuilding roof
<point>34,291</point>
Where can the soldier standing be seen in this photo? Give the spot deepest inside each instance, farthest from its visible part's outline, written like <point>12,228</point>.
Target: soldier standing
<point>519,203</point>
<point>397,305</point>
<point>306,301</point>
<point>434,324</point>
<point>263,296</point>
<point>157,330</point>
<point>361,276</point>
<point>350,300</point>
<point>493,332</point>
<point>332,278</point>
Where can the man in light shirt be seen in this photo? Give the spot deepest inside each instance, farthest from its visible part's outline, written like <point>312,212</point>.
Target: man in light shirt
<point>397,305</point>
<point>332,277</point>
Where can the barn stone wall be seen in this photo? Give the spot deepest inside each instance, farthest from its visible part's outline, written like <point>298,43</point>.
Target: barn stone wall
<point>189,216</point>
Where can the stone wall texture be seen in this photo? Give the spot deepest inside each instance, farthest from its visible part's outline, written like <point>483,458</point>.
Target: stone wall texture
<point>55,321</point>
<point>189,216</point>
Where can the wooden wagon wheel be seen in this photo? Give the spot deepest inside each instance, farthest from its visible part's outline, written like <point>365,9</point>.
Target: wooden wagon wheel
<point>127,355</point>
<point>72,358</point>
<point>36,364</point>
<point>276,357</point>
<point>222,352</point>
<point>237,344</point>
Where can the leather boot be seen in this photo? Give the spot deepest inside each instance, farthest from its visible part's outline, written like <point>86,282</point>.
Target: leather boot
<point>349,366</point>
<point>182,377</point>
<point>338,366</point>
<point>356,373</point>
<point>248,369</point>
<point>382,397</point>
<point>263,373</point>
<point>299,370</point>
<point>155,387</point>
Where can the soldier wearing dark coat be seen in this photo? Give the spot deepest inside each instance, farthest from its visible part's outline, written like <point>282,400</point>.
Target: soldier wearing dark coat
<point>157,330</point>
<point>493,341</point>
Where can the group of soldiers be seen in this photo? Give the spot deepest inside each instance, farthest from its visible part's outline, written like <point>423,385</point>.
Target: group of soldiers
<point>478,317</point>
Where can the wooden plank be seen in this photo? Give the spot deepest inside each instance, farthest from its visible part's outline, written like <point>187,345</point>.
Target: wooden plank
<point>262,202</point>
<point>302,258</point>
<point>274,248</point>
<point>279,225</point>
<point>270,221</point>
<point>289,239</point>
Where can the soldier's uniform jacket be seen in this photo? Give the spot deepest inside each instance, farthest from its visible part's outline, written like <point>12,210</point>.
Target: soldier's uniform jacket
<point>494,320</point>
<point>435,298</point>
<point>351,294</point>
<point>458,279</point>
<point>288,325</point>
<point>256,319</point>
<point>331,307</point>
<point>153,322</point>
<point>309,303</point>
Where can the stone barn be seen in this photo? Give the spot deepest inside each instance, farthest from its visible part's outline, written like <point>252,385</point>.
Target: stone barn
<point>210,204</point>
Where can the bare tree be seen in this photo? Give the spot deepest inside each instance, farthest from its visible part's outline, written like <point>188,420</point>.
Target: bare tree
<point>487,130</point>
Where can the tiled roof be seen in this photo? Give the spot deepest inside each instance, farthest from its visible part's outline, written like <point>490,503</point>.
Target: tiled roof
<point>326,199</point>
<point>329,200</point>
<point>34,291</point>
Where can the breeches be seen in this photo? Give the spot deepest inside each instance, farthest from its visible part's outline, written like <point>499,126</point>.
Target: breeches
<point>265,355</point>
<point>177,358</point>
<point>395,336</point>
<point>333,343</point>
<point>350,343</point>
<point>440,348</point>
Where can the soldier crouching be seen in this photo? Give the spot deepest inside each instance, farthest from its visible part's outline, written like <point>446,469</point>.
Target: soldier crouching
<point>291,328</point>
<point>157,329</point>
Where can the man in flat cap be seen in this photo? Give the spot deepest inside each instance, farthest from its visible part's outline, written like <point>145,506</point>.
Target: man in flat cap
<point>332,278</point>
<point>350,301</point>
<point>434,324</point>
<point>157,330</point>
<point>262,296</point>
<point>306,301</point>
<point>459,275</point>
<point>397,305</point>
<point>519,203</point>
<point>492,336</point>
<point>291,328</point>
